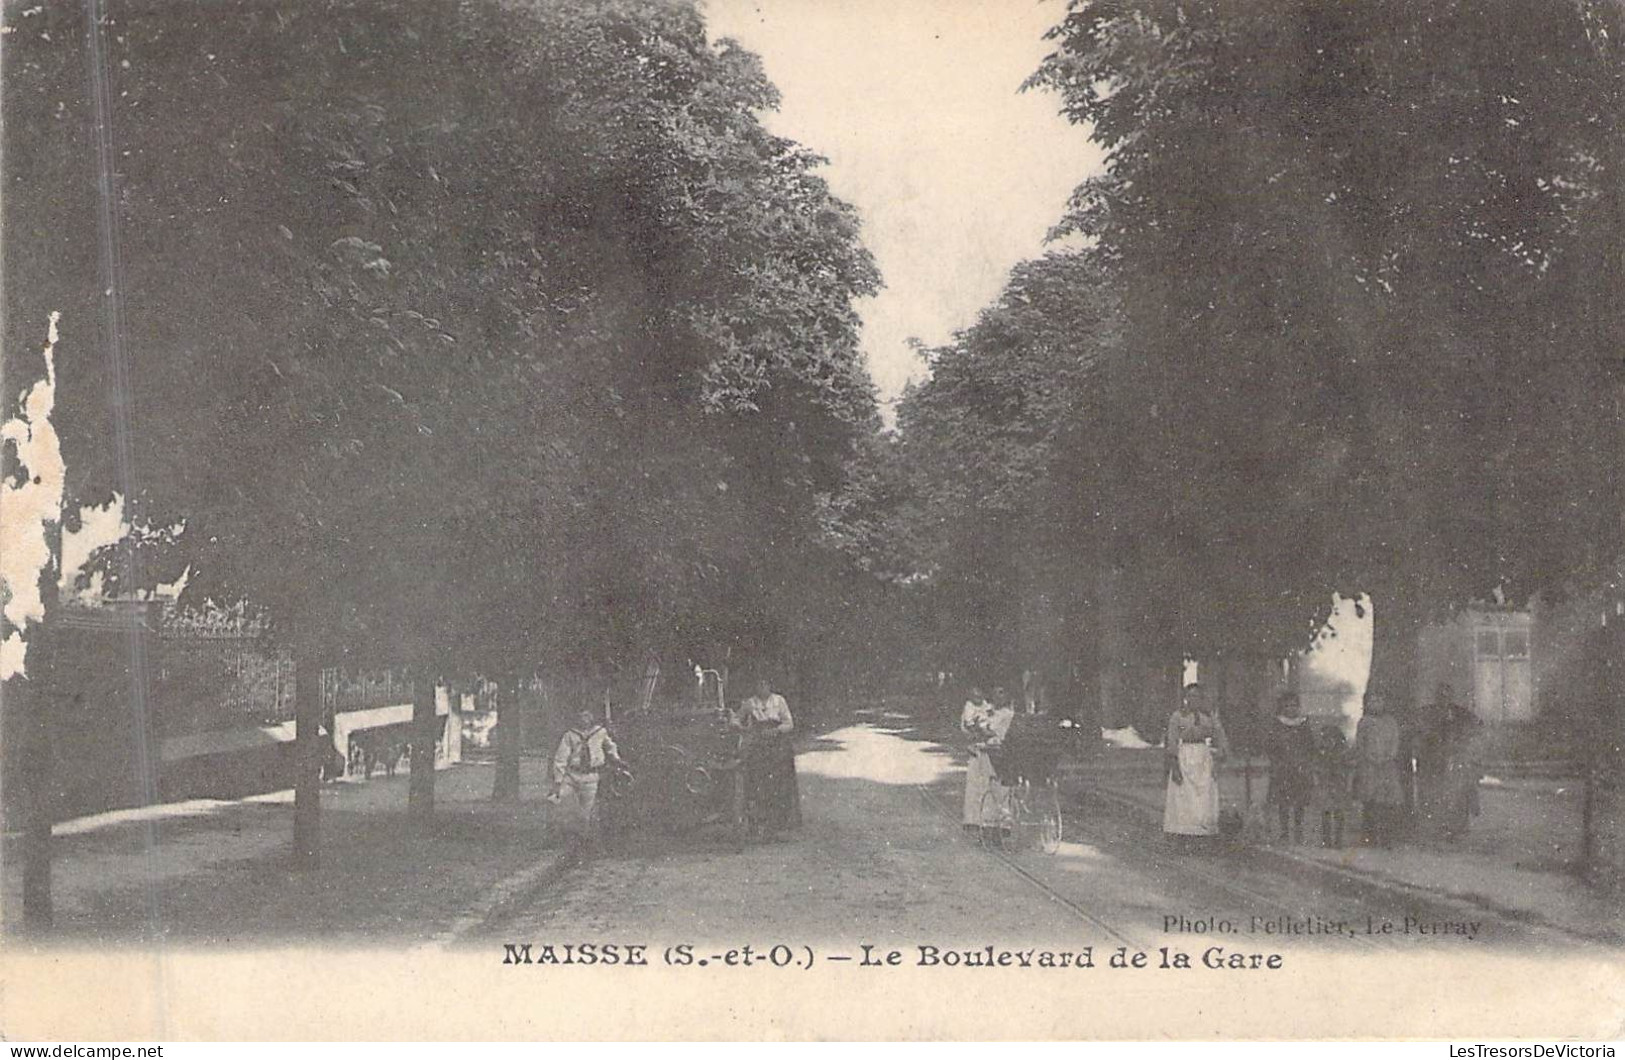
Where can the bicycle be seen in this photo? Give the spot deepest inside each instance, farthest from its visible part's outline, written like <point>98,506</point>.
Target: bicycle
<point>1024,809</point>
<point>1022,816</point>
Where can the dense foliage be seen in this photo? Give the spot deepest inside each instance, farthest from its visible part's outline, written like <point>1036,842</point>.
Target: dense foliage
<point>1364,263</point>
<point>484,335</point>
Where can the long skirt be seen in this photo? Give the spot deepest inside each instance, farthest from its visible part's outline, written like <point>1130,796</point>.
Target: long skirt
<point>1192,807</point>
<point>980,780</point>
<point>771,790</point>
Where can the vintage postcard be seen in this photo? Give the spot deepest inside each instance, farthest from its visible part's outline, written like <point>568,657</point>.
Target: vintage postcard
<point>813,519</point>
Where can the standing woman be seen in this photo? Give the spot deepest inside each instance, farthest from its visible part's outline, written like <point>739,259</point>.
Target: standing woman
<point>771,791</point>
<point>1195,741</point>
<point>1378,782</point>
<point>974,722</point>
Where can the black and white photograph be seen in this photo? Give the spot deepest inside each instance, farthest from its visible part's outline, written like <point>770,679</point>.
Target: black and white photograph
<point>964,520</point>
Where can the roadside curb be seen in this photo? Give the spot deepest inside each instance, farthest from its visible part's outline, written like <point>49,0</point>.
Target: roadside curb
<point>1377,883</point>
<point>503,897</point>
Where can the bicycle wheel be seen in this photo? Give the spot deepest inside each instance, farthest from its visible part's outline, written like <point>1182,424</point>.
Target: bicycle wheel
<point>995,817</point>
<point>617,783</point>
<point>739,812</point>
<point>1026,822</point>
<point>1050,821</point>
<point>698,782</point>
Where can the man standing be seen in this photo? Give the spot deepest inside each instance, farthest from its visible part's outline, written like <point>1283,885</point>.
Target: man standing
<point>1426,756</point>
<point>581,756</point>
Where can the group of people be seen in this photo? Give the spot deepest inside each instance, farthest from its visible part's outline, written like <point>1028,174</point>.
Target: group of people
<point>587,750</point>
<point>1395,777</point>
<point>1424,774</point>
<point>1314,766</point>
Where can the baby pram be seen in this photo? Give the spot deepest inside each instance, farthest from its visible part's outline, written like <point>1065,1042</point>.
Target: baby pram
<point>1023,808</point>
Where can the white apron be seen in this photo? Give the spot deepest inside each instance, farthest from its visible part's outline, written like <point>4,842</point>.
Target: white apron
<point>1192,808</point>
<point>979,780</point>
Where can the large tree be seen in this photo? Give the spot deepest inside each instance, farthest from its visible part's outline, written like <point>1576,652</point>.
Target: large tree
<point>1004,549</point>
<point>1365,254</point>
<point>466,336</point>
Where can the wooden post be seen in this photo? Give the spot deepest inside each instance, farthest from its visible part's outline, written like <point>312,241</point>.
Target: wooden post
<point>510,742</point>
<point>308,753</point>
<point>420,790</point>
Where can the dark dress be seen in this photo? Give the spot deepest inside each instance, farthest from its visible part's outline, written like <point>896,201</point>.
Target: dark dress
<point>771,790</point>
<point>1291,750</point>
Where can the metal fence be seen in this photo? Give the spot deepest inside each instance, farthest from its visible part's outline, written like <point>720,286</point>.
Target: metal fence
<point>221,682</point>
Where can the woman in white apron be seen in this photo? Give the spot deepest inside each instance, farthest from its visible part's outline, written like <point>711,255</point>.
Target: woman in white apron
<point>975,721</point>
<point>1195,742</point>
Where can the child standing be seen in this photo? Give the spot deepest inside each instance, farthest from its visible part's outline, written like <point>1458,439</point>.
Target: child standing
<point>1291,750</point>
<point>1333,779</point>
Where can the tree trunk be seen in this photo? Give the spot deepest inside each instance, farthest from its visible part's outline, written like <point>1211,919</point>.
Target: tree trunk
<point>807,678</point>
<point>37,911</point>
<point>310,750</point>
<point>1218,683</point>
<point>1038,645</point>
<point>1112,665</point>
<point>35,778</point>
<point>1164,686</point>
<point>420,790</point>
<point>1396,624</point>
<point>39,692</point>
<point>1393,674</point>
<point>551,693</point>
<point>510,740</point>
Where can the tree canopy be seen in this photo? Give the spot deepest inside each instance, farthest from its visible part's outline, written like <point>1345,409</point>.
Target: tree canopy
<point>1336,319</point>
<point>495,329</point>
<point>1361,250</point>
